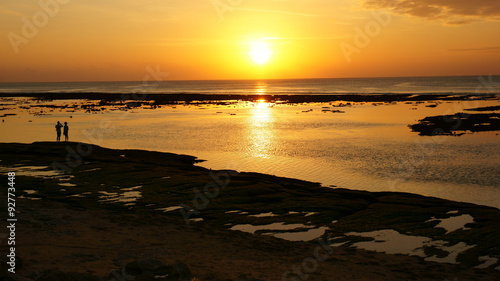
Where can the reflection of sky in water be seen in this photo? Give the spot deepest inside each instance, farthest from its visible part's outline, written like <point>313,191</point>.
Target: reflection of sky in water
<point>273,226</point>
<point>260,88</point>
<point>392,242</point>
<point>367,147</point>
<point>130,196</point>
<point>32,171</point>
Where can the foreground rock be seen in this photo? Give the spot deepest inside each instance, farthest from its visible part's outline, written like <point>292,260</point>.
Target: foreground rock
<point>56,275</point>
<point>145,270</point>
<point>151,270</point>
<point>114,207</point>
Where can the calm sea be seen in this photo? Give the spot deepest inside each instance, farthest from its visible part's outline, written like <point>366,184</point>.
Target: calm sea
<point>367,147</point>
<point>415,85</point>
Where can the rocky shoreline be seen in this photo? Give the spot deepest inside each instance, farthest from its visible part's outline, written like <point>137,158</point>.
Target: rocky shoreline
<point>457,124</point>
<point>161,99</point>
<point>92,210</point>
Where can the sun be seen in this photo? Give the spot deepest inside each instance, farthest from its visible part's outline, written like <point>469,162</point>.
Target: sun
<point>260,52</point>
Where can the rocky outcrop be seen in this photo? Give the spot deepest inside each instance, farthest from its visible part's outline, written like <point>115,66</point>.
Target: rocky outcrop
<point>147,270</point>
<point>56,275</point>
<point>151,270</point>
<point>457,124</point>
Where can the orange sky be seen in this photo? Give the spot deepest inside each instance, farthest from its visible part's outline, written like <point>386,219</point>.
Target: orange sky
<point>77,40</point>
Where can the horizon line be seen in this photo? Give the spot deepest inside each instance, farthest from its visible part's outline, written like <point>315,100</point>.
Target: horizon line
<point>257,79</point>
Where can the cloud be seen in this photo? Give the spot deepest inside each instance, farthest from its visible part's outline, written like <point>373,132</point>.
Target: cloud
<point>483,49</point>
<point>452,12</point>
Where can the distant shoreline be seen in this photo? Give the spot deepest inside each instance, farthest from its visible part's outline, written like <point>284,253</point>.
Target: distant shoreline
<point>284,98</point>
<point>269,79</point>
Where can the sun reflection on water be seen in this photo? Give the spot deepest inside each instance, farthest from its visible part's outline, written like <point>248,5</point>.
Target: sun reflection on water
<point>260,89</point>
<point>260,135</point>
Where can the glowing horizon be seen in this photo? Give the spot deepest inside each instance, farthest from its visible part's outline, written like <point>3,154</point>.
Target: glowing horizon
<point>69,40</point>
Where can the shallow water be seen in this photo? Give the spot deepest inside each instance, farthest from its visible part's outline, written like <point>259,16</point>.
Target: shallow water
<point>273,226</point>
<point>454,223</point>
<point>392,242</point>
<point>369,147</point>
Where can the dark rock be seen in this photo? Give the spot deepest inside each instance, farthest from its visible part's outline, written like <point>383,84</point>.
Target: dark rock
<point>56,275</point>
<point>20,278</point>
<point>451,124</point>
<point>151,270</point>
<point>5,277</point>
<point>226,99</point>
<point>4,267</point>
<point>248,277</point>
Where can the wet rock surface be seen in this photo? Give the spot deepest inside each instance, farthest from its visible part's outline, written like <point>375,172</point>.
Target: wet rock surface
<point>457,124</point>
<point>77,228</point>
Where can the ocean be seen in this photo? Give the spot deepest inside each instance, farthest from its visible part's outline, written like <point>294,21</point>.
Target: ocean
<point>366,146</point>
<point>487,84</point>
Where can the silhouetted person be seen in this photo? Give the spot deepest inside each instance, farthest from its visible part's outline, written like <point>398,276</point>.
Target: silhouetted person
<point>58,130</point>
<point>65,132</point>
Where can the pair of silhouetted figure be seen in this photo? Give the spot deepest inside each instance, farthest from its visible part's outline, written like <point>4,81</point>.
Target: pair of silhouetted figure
<point>65,131</point>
